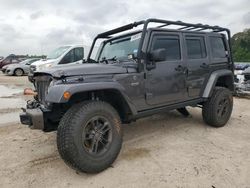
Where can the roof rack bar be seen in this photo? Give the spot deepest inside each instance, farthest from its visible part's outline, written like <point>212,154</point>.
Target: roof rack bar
<point>120,29</point>
<point>218,30</point>
<point>164,25</point>
<point>189,29</point>
<point>183,28</point>
<point>202,29</point>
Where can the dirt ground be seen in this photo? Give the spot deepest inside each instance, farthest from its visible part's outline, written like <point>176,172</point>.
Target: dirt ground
<point>164,150</point>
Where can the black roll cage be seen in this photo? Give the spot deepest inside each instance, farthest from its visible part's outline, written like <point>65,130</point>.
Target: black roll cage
<point>184,27</point>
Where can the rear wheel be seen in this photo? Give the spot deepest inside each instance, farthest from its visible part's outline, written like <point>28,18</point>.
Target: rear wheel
<point>89,136</point>
<point>18,72</point>
<point>217,110</point>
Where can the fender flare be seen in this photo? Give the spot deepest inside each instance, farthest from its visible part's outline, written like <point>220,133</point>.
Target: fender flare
<point>55,93</point>
<point>213,79</point>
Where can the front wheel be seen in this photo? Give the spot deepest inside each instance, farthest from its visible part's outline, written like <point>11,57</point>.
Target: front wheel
<point>18,72</point>
<point>217,110</point>
<point>89,136</point>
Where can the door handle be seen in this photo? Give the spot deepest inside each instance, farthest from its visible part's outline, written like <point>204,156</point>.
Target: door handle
<point>204,66</point>
<point>179,68</point>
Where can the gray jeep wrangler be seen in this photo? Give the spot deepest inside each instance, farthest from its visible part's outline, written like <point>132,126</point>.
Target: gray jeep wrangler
<point>134,74</point>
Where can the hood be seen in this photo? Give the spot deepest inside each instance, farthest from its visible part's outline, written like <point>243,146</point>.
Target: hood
<point>43,61</point>
<point>86,69</point>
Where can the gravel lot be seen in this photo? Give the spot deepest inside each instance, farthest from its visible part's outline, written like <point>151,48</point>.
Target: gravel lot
<point>164,150</point>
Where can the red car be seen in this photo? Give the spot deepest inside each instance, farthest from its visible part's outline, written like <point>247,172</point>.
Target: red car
<point>9,60</point>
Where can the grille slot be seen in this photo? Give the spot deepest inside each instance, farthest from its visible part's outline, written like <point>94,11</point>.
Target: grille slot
<point>42,85</point>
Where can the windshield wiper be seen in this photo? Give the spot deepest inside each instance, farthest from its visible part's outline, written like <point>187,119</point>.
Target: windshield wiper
<point>89,61</point>
<point>104,59</point>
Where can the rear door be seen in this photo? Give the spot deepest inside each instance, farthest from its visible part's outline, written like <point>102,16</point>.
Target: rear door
<point>165,84</point>
<point>197,61</point>
<point>219,52</point>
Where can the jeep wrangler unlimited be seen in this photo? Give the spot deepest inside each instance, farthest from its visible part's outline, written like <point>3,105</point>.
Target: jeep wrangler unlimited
<point>134,74</point>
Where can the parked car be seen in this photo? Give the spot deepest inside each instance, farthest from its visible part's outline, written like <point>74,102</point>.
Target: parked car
<point>62,56</point>
<point>241,66</point>
<point>19,69</point>
<point>11,59</point>
<point>134,75</point>
<point>242,83</point>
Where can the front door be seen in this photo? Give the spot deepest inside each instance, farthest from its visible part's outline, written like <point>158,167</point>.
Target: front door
<point>74,56</point>
<point>166,84</point>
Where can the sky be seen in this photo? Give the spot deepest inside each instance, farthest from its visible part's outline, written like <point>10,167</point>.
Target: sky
<point>37,27</point>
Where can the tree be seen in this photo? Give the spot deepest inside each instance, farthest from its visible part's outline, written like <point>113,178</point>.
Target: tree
<point>241,46</point>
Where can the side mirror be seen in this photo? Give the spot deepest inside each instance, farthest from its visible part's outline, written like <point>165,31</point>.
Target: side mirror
<point>158,55</point>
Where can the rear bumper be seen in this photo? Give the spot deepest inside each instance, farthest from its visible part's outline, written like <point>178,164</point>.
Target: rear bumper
<point>34,118</point>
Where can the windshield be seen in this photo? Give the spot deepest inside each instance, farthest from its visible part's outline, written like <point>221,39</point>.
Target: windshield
<point>120,48</point>
<point>28,61</point>
<point>58,52</point>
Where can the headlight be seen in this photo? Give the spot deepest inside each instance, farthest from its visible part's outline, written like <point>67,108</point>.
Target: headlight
<point>40,67</point>
<point>74,79</point>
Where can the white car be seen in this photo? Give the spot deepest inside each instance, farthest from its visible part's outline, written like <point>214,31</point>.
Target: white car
<point>64,55</point>
<point>19,69</point>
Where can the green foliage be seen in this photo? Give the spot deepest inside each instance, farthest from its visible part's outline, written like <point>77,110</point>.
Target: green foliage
<point>241,46</point>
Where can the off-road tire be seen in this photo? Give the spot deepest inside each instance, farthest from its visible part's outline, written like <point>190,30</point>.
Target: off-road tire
<point>211,108</point>
<point>18,72</point>
<point>69,136</point>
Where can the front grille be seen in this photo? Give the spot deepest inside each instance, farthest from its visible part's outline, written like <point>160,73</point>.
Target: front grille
<point>42,84</point>
<point>32,68</point>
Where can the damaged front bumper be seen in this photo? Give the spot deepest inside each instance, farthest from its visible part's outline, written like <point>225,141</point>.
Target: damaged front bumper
<point>33,118</point>
<point>34,115</point>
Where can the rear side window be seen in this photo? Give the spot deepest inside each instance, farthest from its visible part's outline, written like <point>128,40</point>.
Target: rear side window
<point>196,47</point>
<point>171,44</point>
<point>217,46</point>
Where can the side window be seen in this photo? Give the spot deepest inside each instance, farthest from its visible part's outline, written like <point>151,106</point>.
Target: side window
<point>68,58</point>
<point>217,46</point>
<point>15,61</point>
<point>33,60</point>
<point>78,54</point>
<point>171,44</point>
<point>196,47</point>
